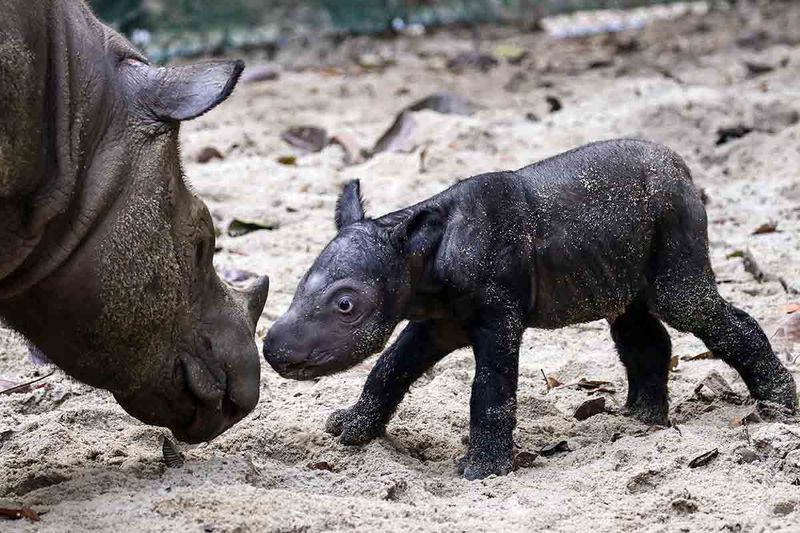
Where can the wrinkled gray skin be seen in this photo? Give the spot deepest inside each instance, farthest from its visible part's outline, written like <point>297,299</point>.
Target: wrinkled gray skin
<point>613,230</point>
<point>105,254</point>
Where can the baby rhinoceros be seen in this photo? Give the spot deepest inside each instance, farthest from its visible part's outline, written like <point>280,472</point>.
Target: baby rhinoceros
<point>613,230</point>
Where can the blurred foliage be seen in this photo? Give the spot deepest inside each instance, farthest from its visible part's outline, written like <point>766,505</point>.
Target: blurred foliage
<point>348,15</point>
<point>188,27</point>
<point>125,15</point>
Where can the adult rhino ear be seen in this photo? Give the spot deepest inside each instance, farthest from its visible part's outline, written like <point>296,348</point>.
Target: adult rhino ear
<point>181,92</point>
<point>350,206</point>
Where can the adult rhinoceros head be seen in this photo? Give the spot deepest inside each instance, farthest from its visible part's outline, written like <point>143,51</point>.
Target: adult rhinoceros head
<point>111,273</point>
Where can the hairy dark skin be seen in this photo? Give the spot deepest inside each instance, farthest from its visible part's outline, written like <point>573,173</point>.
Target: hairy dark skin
<point>613,230</point>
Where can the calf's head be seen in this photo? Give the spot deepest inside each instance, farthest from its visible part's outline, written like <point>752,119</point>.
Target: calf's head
<point>136,306</point>
<point>356,292</point>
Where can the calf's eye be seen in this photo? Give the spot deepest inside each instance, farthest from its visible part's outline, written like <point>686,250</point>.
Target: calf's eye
<point>345,305</point>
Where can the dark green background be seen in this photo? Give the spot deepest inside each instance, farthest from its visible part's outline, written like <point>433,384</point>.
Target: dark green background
<point>342,15</point>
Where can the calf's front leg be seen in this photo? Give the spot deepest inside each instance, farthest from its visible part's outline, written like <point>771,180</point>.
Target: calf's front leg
<point>493,404</point>
<point>420,346</point>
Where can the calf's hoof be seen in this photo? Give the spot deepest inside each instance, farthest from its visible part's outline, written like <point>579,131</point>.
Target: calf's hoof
<point>652,414</point>
<point>476,465</point>
<point>778,387</point>
<point>354,425</point>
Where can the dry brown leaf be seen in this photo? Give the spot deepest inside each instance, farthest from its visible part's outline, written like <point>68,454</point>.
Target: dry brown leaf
<point>550,381</point>
<point>399,136</point>
<point>596,385</point>
<point>331,72</point>
<point>767,227</point>
<point>748,417</point>
<point>208,153</point>
<point>592,383</point>
<point>239,227</point>
<point>789,308</point>
<point>288,160</point>
<point>704,459</point>
<point>551,449</point>
<point>322,465</point>
<point>673,363</point>
<point>715,387</point>
<point>591,407</point>
<point>523,460</point>
<point>10,387</point>
<point>263,72</point>
<point>307,138</point>
<point>445,103</point>
<point>705,355</point>
<point>16,514</point>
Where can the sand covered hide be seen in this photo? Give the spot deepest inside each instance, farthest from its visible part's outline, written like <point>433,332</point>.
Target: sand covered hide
<point>72,454</point>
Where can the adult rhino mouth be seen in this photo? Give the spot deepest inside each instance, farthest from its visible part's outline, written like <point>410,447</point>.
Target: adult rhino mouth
<point>219,399</point>
<point>208,422</point>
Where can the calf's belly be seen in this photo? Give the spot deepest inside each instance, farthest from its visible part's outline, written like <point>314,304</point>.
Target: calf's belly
<point>586,285</point>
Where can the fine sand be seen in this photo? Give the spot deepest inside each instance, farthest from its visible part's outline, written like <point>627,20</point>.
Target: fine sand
<point>71,454</point>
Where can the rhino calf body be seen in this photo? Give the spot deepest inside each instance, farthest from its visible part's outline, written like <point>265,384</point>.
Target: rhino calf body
<point>613,230</point>
<point>105,253</point>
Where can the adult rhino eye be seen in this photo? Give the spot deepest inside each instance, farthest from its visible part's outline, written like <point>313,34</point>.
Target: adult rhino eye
<point>345,304</point>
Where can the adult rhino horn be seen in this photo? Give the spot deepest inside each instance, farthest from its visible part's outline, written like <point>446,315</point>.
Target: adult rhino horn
<point>253,298</point>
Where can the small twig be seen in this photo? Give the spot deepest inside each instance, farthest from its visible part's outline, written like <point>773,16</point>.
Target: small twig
<point>668,74</point>
<point>23,385</point>
<point>545,378</point>
<point>761,275</point>
<point>788,288</point>
<point>746,432</point>
<point>752,267</point>
<point>792,433</point>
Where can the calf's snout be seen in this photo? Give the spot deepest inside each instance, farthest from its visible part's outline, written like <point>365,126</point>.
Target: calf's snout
<point>283,348</point>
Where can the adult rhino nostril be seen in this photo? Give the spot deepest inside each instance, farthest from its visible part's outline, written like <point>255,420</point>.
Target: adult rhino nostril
<point>200,381</point>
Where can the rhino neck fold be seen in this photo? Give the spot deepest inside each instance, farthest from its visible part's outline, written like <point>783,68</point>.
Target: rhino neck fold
<point>47,214</point>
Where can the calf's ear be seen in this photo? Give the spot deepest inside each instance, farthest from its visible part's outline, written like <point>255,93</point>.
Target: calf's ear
<point>350,206</point>
<point>181,92</point>
<point>420,233</point>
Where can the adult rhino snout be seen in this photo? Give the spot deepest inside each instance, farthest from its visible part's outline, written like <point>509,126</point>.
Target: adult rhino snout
<point>221,373</point>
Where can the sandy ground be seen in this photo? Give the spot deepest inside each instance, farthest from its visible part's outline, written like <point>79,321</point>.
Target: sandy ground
<point>72,454</point>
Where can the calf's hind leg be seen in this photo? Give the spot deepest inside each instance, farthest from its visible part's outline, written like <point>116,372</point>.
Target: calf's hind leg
<point>420,346</point>
<point>732,335</point>
<point>683,293</point>
<point>645,349</point>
